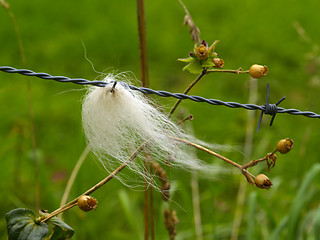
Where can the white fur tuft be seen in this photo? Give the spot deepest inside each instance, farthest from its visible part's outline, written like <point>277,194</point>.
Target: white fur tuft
<point>117,123</point>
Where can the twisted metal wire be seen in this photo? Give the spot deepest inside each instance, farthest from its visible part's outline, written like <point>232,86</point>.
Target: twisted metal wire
<point>270,109</point>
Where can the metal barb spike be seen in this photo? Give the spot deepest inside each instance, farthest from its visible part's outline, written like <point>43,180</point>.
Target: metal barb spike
<point>270,109</point>
<point>113,86</point>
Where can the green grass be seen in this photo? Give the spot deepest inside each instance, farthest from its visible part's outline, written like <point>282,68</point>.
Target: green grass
<point>249,32</point>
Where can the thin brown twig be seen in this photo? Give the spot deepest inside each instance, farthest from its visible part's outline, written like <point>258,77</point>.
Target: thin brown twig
<point>244,171</point>
<point>186,91</point>
<point>204,72</point>
<point>238,71</point>
<point>73,203</point>
<point>253,163</point>
<point>190,117</point>
<point>98,185</point>
<point>209,151</point>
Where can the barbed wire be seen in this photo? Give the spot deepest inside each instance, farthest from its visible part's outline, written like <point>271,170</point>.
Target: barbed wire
<point>269,109</point>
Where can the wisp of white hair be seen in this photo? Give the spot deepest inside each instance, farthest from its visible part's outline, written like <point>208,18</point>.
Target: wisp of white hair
<point>116,123</point>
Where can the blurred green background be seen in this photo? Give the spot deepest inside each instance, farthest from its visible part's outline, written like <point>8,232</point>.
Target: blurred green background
<point>284,35</point>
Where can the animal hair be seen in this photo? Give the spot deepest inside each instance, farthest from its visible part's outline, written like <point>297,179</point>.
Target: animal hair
<point>117,122</point>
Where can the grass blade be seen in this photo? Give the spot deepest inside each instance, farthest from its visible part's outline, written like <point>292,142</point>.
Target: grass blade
<point>317,224</point>
<point>299,201</point>
<point>252,211</point>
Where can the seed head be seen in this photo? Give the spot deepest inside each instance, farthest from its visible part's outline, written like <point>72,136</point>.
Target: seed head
<point>258,71</point>
<point>87,203</point>
<point>262,181</point>
<point>218,62</point>
<point>285,145</point>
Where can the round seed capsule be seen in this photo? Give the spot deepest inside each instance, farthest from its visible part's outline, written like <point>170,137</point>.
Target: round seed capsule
<point>87,203</point>
<point>262,181</point>
<point>258,71</point>
<point>285,145</point>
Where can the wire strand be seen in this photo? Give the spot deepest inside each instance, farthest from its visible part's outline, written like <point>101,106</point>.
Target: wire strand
<point>263,108</point>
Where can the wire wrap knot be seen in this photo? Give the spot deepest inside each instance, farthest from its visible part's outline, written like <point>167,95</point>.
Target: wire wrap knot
<point>270,109</point>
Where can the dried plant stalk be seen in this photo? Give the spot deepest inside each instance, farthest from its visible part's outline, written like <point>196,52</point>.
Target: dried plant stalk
<point>188,21</point>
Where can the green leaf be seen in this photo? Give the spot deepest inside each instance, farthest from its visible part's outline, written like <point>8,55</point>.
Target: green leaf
<point>61,230</point>
<point>186,60</point>
<point>208,63</point>
<point>194,68</point>
<point>213,46</point>
<point>21,225</point>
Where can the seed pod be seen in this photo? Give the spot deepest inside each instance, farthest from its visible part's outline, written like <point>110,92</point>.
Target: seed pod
<point>285,145</point>
<point>87,203</point>
<point>258,71</point>
<point>218,62</point>
<point>262,181</point>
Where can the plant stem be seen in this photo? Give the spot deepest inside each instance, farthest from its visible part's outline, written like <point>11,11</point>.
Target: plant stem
<point>146,200</point>
<point>151,211</point>
<point>209,151</point>
<point>186,91</point>
<point>194,30</point>
<point>196,205</point>
<point>142,44</point>
<point>98,185</point>
<point>253,163</point>
<point>74,175</point>
<point>241,197</point>
<point>145,83</point>
<point>190,117</point>
<point>238,71</point>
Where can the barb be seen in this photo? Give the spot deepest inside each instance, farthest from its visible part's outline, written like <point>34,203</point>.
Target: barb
<point>270,109</point>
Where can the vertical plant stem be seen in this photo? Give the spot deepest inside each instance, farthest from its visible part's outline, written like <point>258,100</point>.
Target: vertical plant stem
<point>16,29</point>
<point>145,83</point>
<point>251,215</point>
<point>146,201</point>
<point>73,176</point>
<point>253,95</point>
<point>187,91</point>
<point>34,146</point>
<point>143,44</point>
<point>31,112</point>
<point>19,153</point>
<point>196,204</point>
<point>151,209</point>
